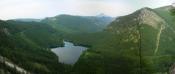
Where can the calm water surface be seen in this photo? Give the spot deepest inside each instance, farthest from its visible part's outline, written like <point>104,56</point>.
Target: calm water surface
<point>69,54</point>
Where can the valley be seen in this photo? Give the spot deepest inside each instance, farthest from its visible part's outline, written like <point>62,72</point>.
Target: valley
<point>139,43</point>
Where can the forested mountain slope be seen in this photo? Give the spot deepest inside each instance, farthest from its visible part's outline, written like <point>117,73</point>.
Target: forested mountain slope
<point>141,42</point>
<point>26,45</point>
<point>78,24</point>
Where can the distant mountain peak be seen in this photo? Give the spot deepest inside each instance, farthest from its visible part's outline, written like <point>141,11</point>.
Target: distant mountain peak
<point>27,20</point>
<point>102,15</point>
<point>145,9</point>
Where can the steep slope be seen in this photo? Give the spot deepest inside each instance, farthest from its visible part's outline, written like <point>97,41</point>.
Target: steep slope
<point>148,24</point>
<point>156,30</point>
<point>168,34</point>
<point>78,24</point>
<point>139,43</point>
<point>132,44</point>
<point>165,13</point>
<point>11,66</point>
<point>42,34</point>
<point>18,42</point>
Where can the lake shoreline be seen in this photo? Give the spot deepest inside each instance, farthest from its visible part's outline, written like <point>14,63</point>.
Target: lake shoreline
<point>69,53</point>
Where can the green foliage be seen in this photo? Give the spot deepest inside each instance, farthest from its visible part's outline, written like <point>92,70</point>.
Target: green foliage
<point>117,50</point>
<point>78,24</point>
<point>124,47</point>
<point>172,11</point>
<point>26,43</point>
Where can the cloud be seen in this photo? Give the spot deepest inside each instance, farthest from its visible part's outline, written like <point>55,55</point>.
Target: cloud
<point>109,8</point>
<point>18,9</point>
<point>11,9</point>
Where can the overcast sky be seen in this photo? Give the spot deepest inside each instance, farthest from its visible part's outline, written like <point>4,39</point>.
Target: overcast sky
<point>11,9</point>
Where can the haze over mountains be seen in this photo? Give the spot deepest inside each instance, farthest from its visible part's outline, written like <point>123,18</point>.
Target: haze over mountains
<point>139,43</point>
<point>69,23</point>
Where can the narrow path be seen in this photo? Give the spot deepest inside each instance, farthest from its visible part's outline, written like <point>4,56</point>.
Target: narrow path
<point>158,39</point>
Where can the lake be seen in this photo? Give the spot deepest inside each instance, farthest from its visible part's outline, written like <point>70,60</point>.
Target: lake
<point>69,54</point>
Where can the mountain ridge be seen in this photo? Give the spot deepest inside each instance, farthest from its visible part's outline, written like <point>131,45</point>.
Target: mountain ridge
<point>78,24</point>
<point>141,42</point>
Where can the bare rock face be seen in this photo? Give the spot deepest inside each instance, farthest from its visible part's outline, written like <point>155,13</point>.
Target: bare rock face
<point>144,16</point>
<point>149,17</point>
<point>3,29</point>
<point>6,31</point>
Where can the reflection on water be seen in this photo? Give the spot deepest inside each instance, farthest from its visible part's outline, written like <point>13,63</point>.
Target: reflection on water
<point>69,54</point>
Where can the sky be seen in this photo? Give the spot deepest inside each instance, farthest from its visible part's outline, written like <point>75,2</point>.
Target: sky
<point>12,9</point>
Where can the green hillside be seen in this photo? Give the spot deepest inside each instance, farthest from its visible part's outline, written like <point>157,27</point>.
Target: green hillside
<point>78,24</point>
<point>147,34</point>
<point>26,45</point>
<point>139,43</point>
